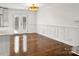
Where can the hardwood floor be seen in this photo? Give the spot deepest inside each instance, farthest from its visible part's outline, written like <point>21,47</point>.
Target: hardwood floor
<point>39,45</point>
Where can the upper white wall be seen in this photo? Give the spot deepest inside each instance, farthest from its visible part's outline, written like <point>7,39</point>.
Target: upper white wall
<point>60,22</point>
<point>59,14</point>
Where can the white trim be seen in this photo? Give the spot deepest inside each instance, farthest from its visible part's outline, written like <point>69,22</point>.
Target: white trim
<point>75,52</point>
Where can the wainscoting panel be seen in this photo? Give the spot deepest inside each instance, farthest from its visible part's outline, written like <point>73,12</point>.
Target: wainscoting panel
<point>61,33</point>
<point>65,34</point>
<point>31,28</point>
<point>74,36</point>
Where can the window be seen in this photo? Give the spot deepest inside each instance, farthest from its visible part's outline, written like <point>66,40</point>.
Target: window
<point>1,20</point>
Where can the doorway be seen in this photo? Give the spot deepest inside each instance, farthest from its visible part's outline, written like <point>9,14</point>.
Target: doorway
<point>19,39</point>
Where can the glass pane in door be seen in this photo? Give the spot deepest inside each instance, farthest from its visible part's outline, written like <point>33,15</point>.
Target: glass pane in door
<point>24,23</point>
<point>16,23</point>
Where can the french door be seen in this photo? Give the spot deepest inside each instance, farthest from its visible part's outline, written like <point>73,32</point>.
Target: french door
<point>20,23</point>
<point>19,45</point>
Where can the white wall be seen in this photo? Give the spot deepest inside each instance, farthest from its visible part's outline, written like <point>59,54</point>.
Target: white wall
<point>11,13</point>
<point>59,14</point>
<point>60,21</point>
<point>31,17</point>
<point>31,20</point>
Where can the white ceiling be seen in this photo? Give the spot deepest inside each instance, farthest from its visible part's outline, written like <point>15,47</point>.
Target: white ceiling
<point>25,5</point>
<point>18,5</point>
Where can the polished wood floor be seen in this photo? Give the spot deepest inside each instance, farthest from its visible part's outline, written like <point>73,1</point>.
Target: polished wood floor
<point>39,45</point>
